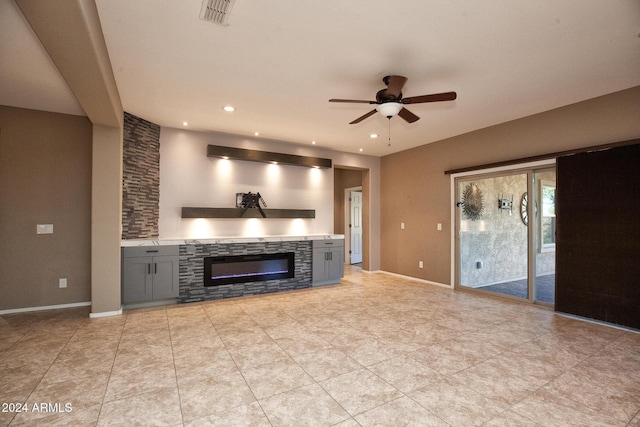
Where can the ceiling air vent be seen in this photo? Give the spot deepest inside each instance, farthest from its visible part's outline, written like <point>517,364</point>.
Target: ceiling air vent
<point>216,11</point>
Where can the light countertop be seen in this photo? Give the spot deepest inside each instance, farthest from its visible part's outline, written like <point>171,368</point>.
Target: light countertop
<point>226,240</point>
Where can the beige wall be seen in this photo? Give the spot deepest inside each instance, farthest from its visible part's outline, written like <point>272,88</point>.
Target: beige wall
<point>45,178</point>
<point>415,190</point>
<point>71,34</point>
<point>343,179</point>
<point>106,220</point>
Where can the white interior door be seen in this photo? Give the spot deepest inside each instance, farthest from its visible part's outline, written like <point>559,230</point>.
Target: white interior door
<point>355,225</point>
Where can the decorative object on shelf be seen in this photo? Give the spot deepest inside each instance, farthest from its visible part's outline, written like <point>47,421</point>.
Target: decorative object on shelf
<point>505,204</point>
<point>250,201</point>
<point>472,202</point>
<point>234,153</point>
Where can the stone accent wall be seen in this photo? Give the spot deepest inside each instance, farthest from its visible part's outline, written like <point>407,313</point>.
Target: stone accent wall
<point>192,267</point>
<point>497,239</point>
<point>140,178</point>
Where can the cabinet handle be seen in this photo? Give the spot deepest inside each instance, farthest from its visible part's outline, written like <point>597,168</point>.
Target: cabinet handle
<point>330,256</point>
<point>155,268</point>
<point>149,268</point>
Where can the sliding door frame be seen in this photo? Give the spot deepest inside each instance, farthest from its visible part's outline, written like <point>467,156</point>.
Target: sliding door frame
<point>529,168</point>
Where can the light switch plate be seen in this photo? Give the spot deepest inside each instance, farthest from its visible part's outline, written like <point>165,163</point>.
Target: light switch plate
<point>44,229</point>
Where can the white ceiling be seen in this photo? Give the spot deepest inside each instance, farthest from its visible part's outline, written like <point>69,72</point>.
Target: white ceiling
<point>278,62</point>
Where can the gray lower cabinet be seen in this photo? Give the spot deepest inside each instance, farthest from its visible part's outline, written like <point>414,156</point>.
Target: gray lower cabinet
<point>149,273</point>
<point>328,262</point>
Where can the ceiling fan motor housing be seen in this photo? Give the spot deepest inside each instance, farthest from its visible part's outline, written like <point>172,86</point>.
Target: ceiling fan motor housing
<point>382,96</point>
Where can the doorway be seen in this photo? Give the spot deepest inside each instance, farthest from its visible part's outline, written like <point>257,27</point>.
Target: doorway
<point>505,233</point>
<point>353,229</point>
<point>346,180</point>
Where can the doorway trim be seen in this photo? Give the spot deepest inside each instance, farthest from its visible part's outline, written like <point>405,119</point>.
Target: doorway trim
<point>452,198</point>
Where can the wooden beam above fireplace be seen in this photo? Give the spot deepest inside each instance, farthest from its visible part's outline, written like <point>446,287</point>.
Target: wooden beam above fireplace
<point>234,153</point>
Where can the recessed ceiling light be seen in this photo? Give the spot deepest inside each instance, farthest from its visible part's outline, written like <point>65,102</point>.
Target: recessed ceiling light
<point>313,142</point>
<point>361,150</point>
<point>256,133</point>
<point>373,136</point>
<point>185,124</point>
<point>228,108</point>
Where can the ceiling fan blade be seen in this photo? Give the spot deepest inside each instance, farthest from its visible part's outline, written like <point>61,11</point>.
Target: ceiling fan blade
<point>395,85</point>
<point>361,118</point>
<point>436,97</point>
<point>358,101</point>
<point>408,115</point>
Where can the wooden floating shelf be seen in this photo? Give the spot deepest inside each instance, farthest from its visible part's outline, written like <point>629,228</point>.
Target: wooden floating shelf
<point>246,213</point>
<point>235,153</point>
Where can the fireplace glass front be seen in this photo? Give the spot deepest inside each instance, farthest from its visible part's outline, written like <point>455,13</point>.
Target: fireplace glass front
<point>229,269</point>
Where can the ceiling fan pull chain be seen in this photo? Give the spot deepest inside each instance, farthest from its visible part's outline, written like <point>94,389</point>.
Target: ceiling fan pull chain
<point>389,145</point>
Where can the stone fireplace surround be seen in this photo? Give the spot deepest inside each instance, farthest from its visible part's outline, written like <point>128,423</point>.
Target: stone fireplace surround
<point>193,251</point>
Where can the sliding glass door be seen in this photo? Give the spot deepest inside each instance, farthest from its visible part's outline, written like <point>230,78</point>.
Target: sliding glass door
<point>545,235</point>
<point>505,233</point>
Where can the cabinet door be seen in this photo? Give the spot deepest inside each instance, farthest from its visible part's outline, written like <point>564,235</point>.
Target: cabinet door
<point>335,265</point>
<point>136,279</point>
<point>165,277</point>
<point>319,272</point>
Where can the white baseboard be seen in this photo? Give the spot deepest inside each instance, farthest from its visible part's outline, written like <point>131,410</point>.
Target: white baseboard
<point>106,314</point>
<point>45,307</point>
<point>415,279</point>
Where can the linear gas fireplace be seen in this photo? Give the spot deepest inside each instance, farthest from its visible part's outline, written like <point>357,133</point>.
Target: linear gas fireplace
<point>228,269</point>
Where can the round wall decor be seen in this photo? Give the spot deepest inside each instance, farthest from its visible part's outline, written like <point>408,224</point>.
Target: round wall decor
<point>524,213</point>
<point>472,202</point>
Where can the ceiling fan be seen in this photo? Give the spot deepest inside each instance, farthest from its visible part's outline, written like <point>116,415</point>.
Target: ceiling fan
<point>390,102</point>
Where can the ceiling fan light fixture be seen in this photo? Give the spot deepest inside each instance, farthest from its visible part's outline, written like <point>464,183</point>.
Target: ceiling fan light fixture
<point>389,109</point>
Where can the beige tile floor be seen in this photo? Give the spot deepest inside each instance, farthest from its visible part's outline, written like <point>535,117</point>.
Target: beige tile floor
<point>375,350</point>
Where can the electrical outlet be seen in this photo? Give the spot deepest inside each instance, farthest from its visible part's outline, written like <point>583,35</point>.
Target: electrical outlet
<point>62,282</point>
<point>402,226</point>
<point>439,226</point>
<point>420,264</point>
<point>44,228</point>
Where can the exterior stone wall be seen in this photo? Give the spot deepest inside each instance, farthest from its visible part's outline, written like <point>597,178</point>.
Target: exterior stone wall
<point>498,238</point>
<point>140,178</point>
<point>192,287</point>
